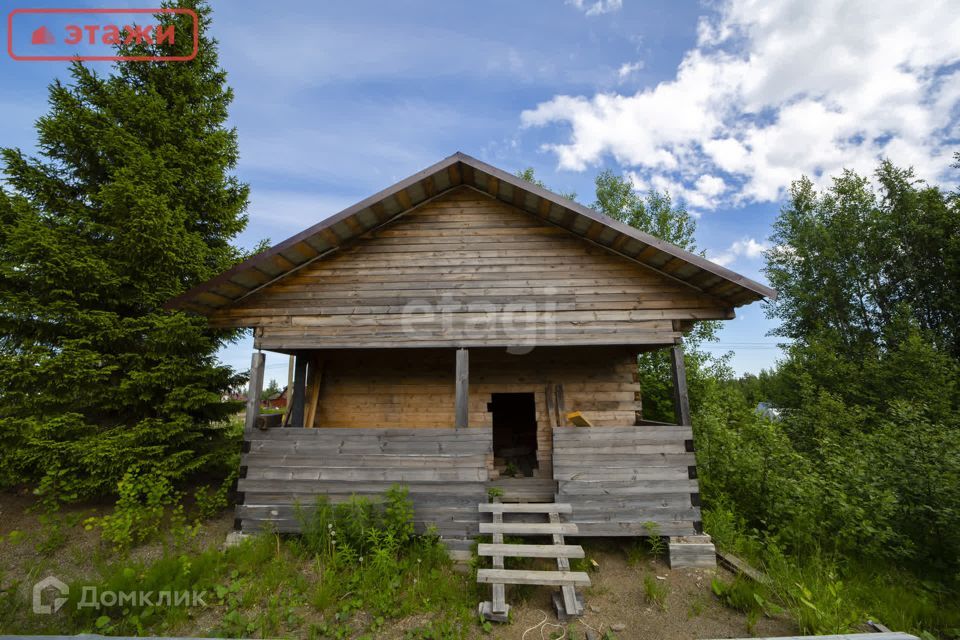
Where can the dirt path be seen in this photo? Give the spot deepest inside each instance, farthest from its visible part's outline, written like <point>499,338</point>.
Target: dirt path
<point>616,600</point>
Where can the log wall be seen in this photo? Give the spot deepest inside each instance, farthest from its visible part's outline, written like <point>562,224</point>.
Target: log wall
<point>446,471</point>
<point>619,478</point>
<point>415,388</point>
<point>468,270</point>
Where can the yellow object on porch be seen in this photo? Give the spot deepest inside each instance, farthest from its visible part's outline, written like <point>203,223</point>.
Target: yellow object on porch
<point>578,419</point>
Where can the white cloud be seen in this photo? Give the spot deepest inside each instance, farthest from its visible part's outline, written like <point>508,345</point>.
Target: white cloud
<point>703,194</point>
<point>745,248</point>
<point>773,90</point>
<point>627,69</point>
<point>596,8</point>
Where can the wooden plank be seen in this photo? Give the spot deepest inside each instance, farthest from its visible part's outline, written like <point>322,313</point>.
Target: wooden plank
<point>289,391</point>
<point>567,592</point>
<point>737,565</point>
<point>528,528</point>
<point>351,461</point>
<point>253,391</point>
<point>546,578</point>
<point>314,375</point>
<point>463,390</point>
<point>632,529</point>
<point>501,507</point>
<point>575,437</point>
<point>474,434</point>
<point>681,401</point>
<point>551,407</point>
<point>499,594</point>
<point>363,475</point>
<point>616,460</point>
<point>531,550</point>
<point>299,392</point>
<point>561,406</point>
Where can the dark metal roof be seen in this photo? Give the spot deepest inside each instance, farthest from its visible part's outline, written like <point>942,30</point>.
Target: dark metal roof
<point>457,170</point>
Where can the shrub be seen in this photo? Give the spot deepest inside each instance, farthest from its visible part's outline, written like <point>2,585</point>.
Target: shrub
<point>139,511</point>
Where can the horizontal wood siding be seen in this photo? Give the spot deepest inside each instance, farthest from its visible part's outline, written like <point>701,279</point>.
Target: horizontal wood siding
<point>415,388</point>
<point>446,471</point>
<point>468,270</point>
<point>618,478</point>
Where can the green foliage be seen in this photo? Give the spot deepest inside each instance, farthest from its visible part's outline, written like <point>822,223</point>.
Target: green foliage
<point>814,593</point>
<point>369,551</point>
<point>139,511</point>
<point>862,469</point>
<point>850,260</point>
<point>210,502</point>
<point>529,175</point>
<point>655,541</point>
<point>357,527</point>
<point>654,212</point>
<point>268,586</point>
<point>130,202</point>
<point>655,591</point>
<point>850,499</point>
<point>272,388</point>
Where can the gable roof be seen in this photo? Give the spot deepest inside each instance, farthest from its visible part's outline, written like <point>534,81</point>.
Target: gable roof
<point>329,235</point>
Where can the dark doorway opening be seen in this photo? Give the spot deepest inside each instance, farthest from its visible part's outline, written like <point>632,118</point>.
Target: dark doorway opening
<point>514,433</point>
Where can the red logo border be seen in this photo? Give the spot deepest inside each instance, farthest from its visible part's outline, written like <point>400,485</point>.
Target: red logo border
<point>191,12</point>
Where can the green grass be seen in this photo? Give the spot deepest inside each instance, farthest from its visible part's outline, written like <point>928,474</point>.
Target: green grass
<point>272,586</point>
<point>826,593</point>
<point>655,591</point>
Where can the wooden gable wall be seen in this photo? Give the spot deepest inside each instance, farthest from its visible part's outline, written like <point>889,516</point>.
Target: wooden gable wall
<point>468,270</point>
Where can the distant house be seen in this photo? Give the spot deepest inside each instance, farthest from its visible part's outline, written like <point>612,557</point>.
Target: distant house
<point>276,400</point>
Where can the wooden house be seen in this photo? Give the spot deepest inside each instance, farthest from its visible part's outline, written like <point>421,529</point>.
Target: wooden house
<point>451,331</point>
<point>277,400</point>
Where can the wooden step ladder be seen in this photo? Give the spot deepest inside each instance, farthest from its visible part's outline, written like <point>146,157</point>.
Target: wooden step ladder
<point>568,603</point>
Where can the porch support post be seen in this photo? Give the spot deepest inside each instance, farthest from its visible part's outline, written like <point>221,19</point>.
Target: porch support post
<point>253,391</point>
<point>463,391</point>
<point>681,402</point>
<point>299,388</point>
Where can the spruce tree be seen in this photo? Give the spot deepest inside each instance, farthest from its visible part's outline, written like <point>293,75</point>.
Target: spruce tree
<point>130,202</point>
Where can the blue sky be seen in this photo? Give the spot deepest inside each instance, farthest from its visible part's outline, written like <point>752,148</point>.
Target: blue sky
<point>721,103</point>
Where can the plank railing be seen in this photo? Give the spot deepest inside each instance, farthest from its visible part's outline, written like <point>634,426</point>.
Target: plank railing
<point>284,470</point>
<point>618,479</point>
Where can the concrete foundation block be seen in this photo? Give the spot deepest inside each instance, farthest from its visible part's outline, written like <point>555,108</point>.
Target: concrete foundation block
<point>692,552</point>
